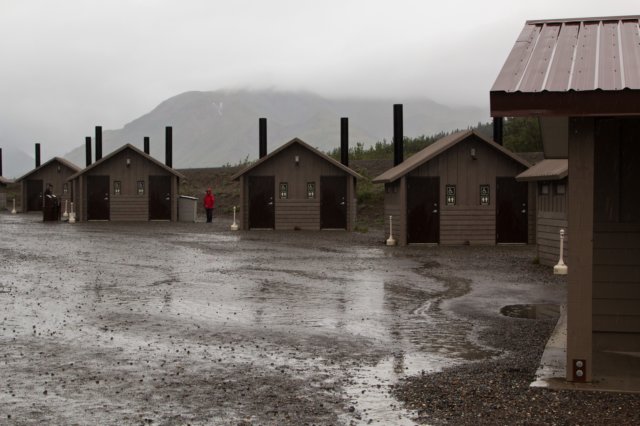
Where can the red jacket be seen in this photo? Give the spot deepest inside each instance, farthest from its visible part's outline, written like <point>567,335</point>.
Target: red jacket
<point>209,200</point>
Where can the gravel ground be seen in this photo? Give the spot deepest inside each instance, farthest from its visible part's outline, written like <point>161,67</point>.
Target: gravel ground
<point>497,392</point>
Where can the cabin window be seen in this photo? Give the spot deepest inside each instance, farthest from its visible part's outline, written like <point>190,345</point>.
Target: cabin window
<point>117,186</point>
<point>544,188</point>
<point>484,195</point>
<point>284,190</point>
<point>140,187</point>
<point>65,188</point>
<point>561,189</point>
<point>311,190</point>
<point>451,195</point>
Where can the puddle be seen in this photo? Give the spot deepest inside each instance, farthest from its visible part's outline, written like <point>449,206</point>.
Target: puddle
<point>539,311</point>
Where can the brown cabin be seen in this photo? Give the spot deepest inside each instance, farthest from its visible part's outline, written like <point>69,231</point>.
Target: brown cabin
<point>551,179</point>
<point>459,190</point>
<point>126,185</point>
<point>581,77</point>
<point>297,187</point>
<point>54,172</point>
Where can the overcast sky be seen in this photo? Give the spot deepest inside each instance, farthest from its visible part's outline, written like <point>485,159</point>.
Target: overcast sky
<point>68,65</point>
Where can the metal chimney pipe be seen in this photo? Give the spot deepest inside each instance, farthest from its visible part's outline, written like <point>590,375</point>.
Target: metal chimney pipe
<point>146,145</point>
<point>168,136</point>
<point>498,125</point>
<point>87,149</point>
<point>262,127</point>
<point>98,143</point>
<point>37,155</point>
<point>398,137</point>
<point>344,141</point>
<point>0,161</point>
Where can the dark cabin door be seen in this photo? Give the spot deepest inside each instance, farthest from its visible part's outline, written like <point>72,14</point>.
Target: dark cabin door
<point>34,195</point>
<point>159,197</point>
<point>98,198</point>
<point>511,210</point>
<point>333,202</point>
<point>423,211</point>
<point>261,202</point>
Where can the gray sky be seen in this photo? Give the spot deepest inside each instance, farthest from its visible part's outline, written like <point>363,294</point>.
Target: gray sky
<point>68,65</point>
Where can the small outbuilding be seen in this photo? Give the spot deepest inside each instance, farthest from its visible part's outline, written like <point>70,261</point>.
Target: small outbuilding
<point>54,172</point>
<point>297,187</point>
<point>3,192</point>
<point>459,190</point>
<point>551,179</point>
<point>126,185</point>
<point>581,77</point>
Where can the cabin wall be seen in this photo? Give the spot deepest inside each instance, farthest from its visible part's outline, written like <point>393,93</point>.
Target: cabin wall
<point>49,174</point>
<point>298,211</point>
<point>616,240</point>
<point>468,222</point>
<point>551,218</point>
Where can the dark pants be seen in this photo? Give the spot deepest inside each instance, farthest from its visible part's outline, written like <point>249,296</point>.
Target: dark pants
<point>209,215</point>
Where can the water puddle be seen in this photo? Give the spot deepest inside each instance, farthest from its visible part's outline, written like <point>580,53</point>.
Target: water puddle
<point>536,311</point>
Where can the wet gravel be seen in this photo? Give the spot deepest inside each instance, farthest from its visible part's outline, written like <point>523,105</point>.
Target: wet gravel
<point>174,324</point>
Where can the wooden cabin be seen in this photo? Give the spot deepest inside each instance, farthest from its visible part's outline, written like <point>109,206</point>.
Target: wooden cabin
<point>459,190</point>
<point>55,172</point>
<point>126,185</point>
<point>581,77</point>
<point>551,179</point>
<point>297,187</point>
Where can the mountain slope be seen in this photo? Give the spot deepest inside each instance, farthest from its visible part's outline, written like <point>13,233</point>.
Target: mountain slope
<point>216,128</point>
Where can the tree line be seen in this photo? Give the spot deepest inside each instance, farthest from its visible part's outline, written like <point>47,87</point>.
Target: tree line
<point>520,134</point>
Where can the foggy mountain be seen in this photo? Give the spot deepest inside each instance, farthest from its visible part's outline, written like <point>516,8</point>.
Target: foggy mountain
<point>215,128</point>
<point>15,162</point>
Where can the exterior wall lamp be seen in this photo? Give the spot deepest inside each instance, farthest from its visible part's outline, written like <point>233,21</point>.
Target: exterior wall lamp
<point>128,161</point>
<point>473,154</point>
<point>297,160</point>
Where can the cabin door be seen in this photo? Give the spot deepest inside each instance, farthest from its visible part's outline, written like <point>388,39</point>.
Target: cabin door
<point>159,197</point>
<point>34,195</point>
<point>333,202</point>
<point>511,210</point>
<point>98,198</point>
<point>261,202</point>
<point>423,211</point>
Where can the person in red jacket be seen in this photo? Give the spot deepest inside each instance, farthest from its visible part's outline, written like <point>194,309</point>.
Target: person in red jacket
<point>209,202</point>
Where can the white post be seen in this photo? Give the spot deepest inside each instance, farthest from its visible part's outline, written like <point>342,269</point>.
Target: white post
<point>391,241</point>
<point>65,215</point>
<point>234,225</point>
<point>14,206</point>
<point>72,215</point>
<point>561,268</point>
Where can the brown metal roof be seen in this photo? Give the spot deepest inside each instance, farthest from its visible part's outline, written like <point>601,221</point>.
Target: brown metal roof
<point>436,149</point>
<point>552,169</point>
<point>305,145</point>
<point>136,150</point>
<point>589,56</point>
<point>60,160</point>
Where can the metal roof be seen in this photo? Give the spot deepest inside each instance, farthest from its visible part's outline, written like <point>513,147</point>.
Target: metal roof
<point>137,151</point>
<point>437,148</point>
<point>599,55</point>
<point>5,181</point>
<point>304,145</point>
<point>552,169</point>
<point>60,160</point>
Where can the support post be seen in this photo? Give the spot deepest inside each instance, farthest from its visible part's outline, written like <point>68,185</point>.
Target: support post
<point>72,215</point>
<point>13,211</point>
<point>65,215</point>
<point>234,225</point>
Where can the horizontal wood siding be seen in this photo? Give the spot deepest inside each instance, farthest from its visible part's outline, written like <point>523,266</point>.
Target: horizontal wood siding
<point>548,237</point>
<point>297,215</point>
<point>468,225</point>
<point>616,277</point>
<point>129,208</point>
